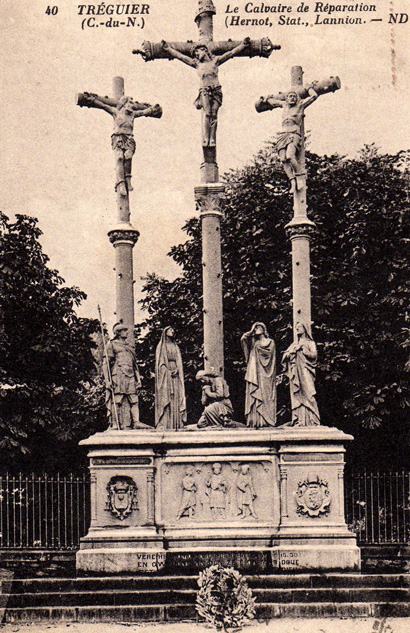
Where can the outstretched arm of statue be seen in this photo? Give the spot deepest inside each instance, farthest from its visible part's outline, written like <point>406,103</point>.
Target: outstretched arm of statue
<point>153,111</point>
<point>93,101</point>
<point>274,103</point>
<point>177,55</point>
<point>311,98</point>
<point>221,59</point>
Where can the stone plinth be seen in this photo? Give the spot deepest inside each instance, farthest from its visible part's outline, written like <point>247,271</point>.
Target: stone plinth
<point>256,499</point>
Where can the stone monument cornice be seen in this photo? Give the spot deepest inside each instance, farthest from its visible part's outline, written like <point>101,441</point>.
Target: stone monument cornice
<point>153,438</point>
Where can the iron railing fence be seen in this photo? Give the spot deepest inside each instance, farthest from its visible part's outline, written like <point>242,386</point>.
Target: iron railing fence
<point>53,511</point>
<point>377,506</point>
<point>43,511</point>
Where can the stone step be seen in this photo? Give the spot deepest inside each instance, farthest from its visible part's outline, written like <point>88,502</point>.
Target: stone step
<point>102,598</point>
<point>126,613</point>
<point>330,580</point>
<point>187,596</point>
<point>180,612</point>
<point>129,583</point>
<point>331,610</point>
<point>172,598</point>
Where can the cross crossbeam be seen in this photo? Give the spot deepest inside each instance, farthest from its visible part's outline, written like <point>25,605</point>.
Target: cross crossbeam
<point>206,55</point>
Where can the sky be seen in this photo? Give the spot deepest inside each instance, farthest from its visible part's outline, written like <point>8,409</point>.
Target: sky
<point>56,162</point>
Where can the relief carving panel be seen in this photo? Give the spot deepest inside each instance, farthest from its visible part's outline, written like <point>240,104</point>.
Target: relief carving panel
<point>217,492</point>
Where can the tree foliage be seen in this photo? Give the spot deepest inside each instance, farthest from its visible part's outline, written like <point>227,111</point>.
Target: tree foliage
<point>50,390</point>
<point>360,289</point>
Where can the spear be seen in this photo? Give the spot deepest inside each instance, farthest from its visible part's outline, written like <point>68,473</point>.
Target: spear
<point>110,383</point>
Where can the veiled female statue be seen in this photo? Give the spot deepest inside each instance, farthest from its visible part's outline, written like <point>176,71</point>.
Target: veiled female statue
<point>299,363</point>
<point>260,355</point>
<point>170,405</point>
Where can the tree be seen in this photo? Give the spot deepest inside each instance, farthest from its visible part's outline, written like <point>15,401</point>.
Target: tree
<point>360,288</point>
<point>51,395</point>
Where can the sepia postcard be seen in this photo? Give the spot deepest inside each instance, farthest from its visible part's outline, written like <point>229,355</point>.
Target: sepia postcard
<point>56,159</point>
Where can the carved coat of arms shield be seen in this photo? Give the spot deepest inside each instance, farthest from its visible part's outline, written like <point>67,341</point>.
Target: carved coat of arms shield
<point>122,496</point>
<point>313,496</point>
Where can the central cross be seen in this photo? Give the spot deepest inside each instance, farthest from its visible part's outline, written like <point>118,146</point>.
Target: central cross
<point>205,56</point>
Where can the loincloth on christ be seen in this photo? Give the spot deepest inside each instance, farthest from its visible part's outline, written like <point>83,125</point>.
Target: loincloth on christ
<point>214,93</point>
<point>123,142</point>
<point>283,139</point>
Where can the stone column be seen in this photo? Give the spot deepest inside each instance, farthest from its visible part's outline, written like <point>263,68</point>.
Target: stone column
<point>300,230</point>
<point>207,198</point>
<point>93,498</point>
<point>123,237</point>
<point>151,497</point>
<point>283,492</point>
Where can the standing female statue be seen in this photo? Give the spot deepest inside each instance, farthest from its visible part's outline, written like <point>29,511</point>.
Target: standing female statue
<point>170,406</point>
<point>260,354</point>
<point>299,362</point>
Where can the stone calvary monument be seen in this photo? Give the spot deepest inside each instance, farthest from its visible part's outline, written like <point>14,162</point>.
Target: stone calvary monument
<point>185,494</point>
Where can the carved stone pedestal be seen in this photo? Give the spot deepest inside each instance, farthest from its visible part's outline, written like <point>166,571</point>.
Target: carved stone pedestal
<point>259,500</point>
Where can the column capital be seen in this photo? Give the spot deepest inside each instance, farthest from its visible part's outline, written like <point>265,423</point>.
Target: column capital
<point>123,233</point>
<point>300,227</point>
<point>208,199</point>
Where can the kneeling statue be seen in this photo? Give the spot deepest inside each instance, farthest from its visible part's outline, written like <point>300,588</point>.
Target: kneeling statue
<point>215,398</point>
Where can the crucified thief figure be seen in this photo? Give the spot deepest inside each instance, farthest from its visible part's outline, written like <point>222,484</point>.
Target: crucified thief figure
<point>289,140</point>
<point>209,99</point>
<point>122,140</point>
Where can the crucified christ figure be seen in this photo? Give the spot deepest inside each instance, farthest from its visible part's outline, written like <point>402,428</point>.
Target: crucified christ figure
<point>122,140</point>
<point>209,99</point>
<point>289,140</point>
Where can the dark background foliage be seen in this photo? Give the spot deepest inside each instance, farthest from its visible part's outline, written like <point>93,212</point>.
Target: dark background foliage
<point>51,394</point>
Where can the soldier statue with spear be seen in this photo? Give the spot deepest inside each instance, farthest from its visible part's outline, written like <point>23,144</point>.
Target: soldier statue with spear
<point>123,381</point>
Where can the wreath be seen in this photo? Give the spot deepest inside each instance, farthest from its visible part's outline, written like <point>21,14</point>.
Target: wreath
<point>224,598</point>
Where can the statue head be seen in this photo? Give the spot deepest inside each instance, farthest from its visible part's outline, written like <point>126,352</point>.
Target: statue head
<point>201,52</point>
<point>120,330</point>
<point>202,376</point>
<point>259,329</point>
<point>205,376</point>
<point>292,98</point>
<point>302,330</point>
<point>216,468</point>
<point>169,332</point>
